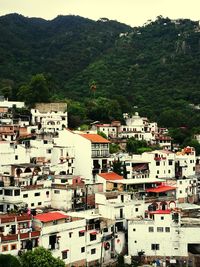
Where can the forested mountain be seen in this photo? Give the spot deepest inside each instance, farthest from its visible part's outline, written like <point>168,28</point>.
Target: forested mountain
<point>104,67</point>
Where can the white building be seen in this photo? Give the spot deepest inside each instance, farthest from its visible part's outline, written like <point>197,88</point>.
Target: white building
<point>9,104</point>
<point>17,234</point>
<point>91,152</point>
<point>50,117</point>
<point>12,153</point>
<point>162,234</point>
<point>63,235</point>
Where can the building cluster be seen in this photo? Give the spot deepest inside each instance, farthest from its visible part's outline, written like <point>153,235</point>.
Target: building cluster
<point>137,127</point>
<point>58,190</point>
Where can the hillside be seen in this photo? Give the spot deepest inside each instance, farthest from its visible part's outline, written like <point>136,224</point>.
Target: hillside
<point>155,67</point>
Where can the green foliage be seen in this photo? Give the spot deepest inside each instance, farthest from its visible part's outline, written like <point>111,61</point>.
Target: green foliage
<point>76,114</point>
<point>155,67</point>
<point>102,134</point>
<point>9,261</point>
<point>40,257</point>
<point>36,91</point>
<point>135,146</point>
<point>114,148</point>
<point>117,166</point>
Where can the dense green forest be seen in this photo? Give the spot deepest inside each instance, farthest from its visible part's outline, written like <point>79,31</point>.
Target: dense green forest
<point>104,68</point>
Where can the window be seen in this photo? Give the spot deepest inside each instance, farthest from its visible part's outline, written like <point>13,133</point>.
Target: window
<point>37,194</point>
<point>159,229</point>
<point>170,162</point>
<point>16,157</point>
<point>81,233</point>
<point>13,247</point>
<point>55,222</point>
<point>157,172</point>
<point>162,217</point>
<point>64,181</point>
<point>1,192</point>
<point>45,141</point>
<point>32,204</point>
<point>25,195</point>
<point>136,209</point>
<point>17,192</point>
<point>49,151</point>
<point>93,237</point>
<point>8,192</point>
<point>157,163</point>
<point>133,229</point>
<point>155,246</point>
<point>70,234</point>
<point>4,248</point>
<point>167,229</point>
<point>64,254</point>
<point>56,191</point>
<point>180,182</point>
<point>39,203</point>
<point>82,249</point>
<point>105,230</point>
<point>169,171</point>
<point>93,251</point>
<point>151,229</point>
<point>180,191</point>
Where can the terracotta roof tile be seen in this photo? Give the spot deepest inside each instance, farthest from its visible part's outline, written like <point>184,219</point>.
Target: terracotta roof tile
<point>50,216</point>
<point>160,189</point>
<point>95,138</point>
<point>111,176</point>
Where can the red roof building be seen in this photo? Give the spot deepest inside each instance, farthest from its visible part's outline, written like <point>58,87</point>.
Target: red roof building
<point>50,216</point>
<point>161,189</point>
<point>111,176</point>
<point>95,138</point>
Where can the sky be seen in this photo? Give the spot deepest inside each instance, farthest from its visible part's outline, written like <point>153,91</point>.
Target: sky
<point>131,12</point>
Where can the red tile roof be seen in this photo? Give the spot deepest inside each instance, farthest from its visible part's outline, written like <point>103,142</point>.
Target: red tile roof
<point>110,176</point>
<point>95,138</point>
<point>160,212</point>
<point>160,189</point>
<point>50,216</point>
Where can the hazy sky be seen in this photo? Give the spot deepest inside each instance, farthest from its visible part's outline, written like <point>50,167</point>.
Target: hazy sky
<point>132,12</point>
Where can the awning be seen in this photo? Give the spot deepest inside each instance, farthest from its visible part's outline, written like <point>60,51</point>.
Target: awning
<point>160,189</point>
<point>82,231</point>
<point>66,250</point>
<point>93,233</point>
<point>140,167</point>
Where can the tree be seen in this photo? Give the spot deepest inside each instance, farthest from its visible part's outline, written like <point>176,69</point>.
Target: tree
<point>36,91</point>
<point>135,146</point>
<point>117,166</point>
<point>9,261</point>
<point>40,257</point>
<point>102,134</point>
<point>114,148</point>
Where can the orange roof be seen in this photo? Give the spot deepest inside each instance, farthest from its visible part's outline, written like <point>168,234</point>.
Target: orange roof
<point>110,176</point>
<point>50,216</point>
<point>95,138</point>
<point>160,189</point>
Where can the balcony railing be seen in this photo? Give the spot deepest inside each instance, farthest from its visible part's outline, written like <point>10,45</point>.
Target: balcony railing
<point>14,237</point>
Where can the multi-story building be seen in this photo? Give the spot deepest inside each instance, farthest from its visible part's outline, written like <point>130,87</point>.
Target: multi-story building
<point>50,117</point>
<point>63,235</point>
<point>17,234</point>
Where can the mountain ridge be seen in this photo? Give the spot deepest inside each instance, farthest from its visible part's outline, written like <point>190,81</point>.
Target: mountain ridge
<point>155,67</point>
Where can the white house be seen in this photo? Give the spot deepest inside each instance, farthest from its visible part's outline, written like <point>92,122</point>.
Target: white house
<point>63,235</point>
<point>50,117</point>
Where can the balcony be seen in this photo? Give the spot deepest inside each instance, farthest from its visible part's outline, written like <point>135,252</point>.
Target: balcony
<point>24,217</point>
<point>159,158</point>
<point>9,238</point>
